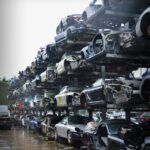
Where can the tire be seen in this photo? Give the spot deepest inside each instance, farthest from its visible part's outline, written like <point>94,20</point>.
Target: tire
<point>69,139</point>
<point>147,147</point>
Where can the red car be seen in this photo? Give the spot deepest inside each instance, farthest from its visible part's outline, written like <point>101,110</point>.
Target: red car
<point>145,116</point>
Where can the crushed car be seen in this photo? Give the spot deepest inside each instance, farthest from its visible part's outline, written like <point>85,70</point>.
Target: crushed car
<point>105,135</point>
<point>113,14</point>
<point>65,96</point>
<point>50,53</point>
<point>105,92</point>
<point>49,75</point>
<point>70,62</point>
<point>66,127</point>
<point>74,33</point>
<point>115,42</point>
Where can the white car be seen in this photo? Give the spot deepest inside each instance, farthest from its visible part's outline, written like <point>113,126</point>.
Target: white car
<point>66,127</point>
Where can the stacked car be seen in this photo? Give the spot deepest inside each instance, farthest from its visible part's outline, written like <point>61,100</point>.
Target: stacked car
<point>92,65</point>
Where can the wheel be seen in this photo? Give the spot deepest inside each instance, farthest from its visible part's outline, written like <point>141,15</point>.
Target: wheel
<point>147,147</point>
<point>69,138</point>
<point>56,135</point>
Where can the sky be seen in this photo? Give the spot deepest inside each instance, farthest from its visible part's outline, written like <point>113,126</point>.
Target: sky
<point>27,25</point>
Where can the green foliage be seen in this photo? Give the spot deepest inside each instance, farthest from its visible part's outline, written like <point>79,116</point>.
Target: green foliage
<point>3,91</point>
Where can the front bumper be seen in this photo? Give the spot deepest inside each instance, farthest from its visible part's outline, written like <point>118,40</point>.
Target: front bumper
<point>75,137</point>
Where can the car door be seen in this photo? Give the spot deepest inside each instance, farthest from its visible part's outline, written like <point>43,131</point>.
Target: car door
<point>61,127</point>
<point>115,143</point>
<point>103,134</point>
<point>115,140</point>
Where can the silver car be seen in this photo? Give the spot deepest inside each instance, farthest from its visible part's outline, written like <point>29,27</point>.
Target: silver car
<point>66,127</point>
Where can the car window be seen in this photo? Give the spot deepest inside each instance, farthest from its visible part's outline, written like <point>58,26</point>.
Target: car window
<point>74,89</point>
<point>64,121</point>
<point>63,90</point>
<point>46,120</point>
<point>97,83</point>
<point>114,127</point>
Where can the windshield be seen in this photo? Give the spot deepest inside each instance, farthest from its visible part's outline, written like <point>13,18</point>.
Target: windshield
<point>74,89</point>
<point>114,127</point>
<point>97,83</point>
<point>78,120</point>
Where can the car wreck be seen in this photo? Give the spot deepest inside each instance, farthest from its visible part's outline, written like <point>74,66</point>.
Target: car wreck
<point>74,32</point>
<point>71,61</point>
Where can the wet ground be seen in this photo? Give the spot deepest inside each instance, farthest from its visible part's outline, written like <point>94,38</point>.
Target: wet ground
<point>22,139</point>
